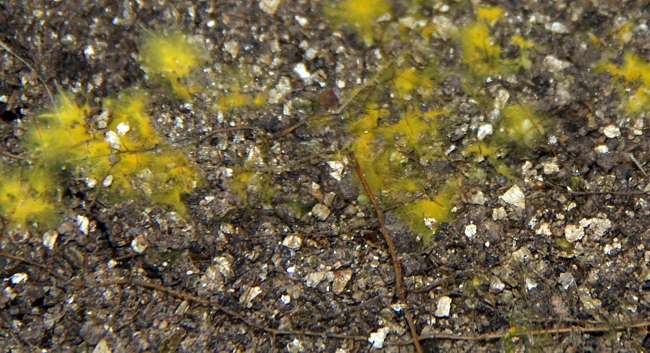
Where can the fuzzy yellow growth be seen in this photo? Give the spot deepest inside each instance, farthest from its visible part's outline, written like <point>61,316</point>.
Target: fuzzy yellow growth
<point>25,199</point>
<point>489,13</point>
<point>139,164</point>
<point>173,56</point>
<point>521,124</point>
<point>424,215</point>
<point>633,69</point>
<point>359,14</point>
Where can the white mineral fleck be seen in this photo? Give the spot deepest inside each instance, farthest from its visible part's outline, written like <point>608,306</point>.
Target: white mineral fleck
<point>303,73</point>
<point>483,131</point>
<point>550,168</point>
<point>107,181</point>
<point>83,223</point>
<point>597,226</point>
<point>470,231</point>
<point>601,149</point>
<point>102,347</point>
<point>292,242</point>
<point>18,278</point>
<point>523,254</point>
<point>113,139</point>
<point>496,286</point>
<point>544,229</point>
<point>122,128</point>
<point>444,307</point>
<point>556,27</point>
<point>530,284</point>
<point>554,64</point>
<point>269,6</point>
<point>315,278</point>
<point>377,338</point>
<point>501,99</point>
<point>49,239</point>
<point>248,296</point>
<point>573,232</point>
<point>321,211</point>
<point>515,197</point>
<point>139,244</point>
<point>476,198</point>
<point>499,213</point>
<point>337,169</point>
<point>301,20</point>
<point>341,279</point>
<point>285,299</point>
<point>588,302</point>
<point>280,90</point>
<point>566,280</point>
<point>611,131</point>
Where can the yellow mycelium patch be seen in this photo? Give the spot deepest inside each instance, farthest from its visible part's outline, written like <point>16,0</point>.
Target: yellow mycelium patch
<point>172,56</point>
<point>359,14</point>
<point>489,13</point>
<point>129,153</point>
<point>479,51</point>
<point>633,70</point>
<point>521,124</point>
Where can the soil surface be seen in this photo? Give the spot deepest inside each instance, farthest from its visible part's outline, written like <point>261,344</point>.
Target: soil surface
<point>550,256</point>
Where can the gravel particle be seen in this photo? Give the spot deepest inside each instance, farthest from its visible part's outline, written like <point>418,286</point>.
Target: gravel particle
<point>573,232</point>
<point>341,279</point>
<point>292,242</point>
<point>49,239</point>
<point>139,244</point>
<point>269,6</point>
<point>566,280</point>
<point>515,197</point>
<point>444,307</point>
<point>554,64</point>
<point>321,212</point>
<point>470,231</point>
<point>611,131</point>
<point>556,27</point>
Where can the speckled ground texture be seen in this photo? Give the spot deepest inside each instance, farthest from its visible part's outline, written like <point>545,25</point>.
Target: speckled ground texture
<point>318,272</point>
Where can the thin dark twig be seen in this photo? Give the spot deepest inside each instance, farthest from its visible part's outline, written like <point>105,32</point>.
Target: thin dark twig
<point>219,131</point>
<point>399,280</point>
<point>523,333</point>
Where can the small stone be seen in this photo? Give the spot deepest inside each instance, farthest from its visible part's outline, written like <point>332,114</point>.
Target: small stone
<point>269,6</point>
<point>232,47</point>
<point>49,239</point>
<point>530,284</point>
<point>83,223</point>
<point>248,296</point>
<point>315,278</point>
<point>337,169</point>
<point>523,254</point>
<point>499,213</point>
<point>588,302</point>
<point>566,280</point>
<point>341,279</point>
<point>470,231</point>
<point>483,131</point>
<point>556,27</point>
<point>476,198</point>
<point>515,197</point>
<point>18,278</point>
<point>107,181</point>
<point>611,131</point>
<point>444,307</point>
<point>292,242</point>
<point>102,347</point>
<point>496,286</point>
<point>321,212</point>
<point>573,232</point>
<point>601,149</point>
<point>303,73</point>
<point>139,244</point>
<point>554,64</point>
<point>377,338</point>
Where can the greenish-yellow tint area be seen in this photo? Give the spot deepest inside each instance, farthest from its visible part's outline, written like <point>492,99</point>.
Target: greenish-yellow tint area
<point>489,13</point>
<point>25,196</point>
<point>521,124</point>
<point>172,55</point>
<point>60,139</point>
<point>636,70</point>
<point>360,15</point>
